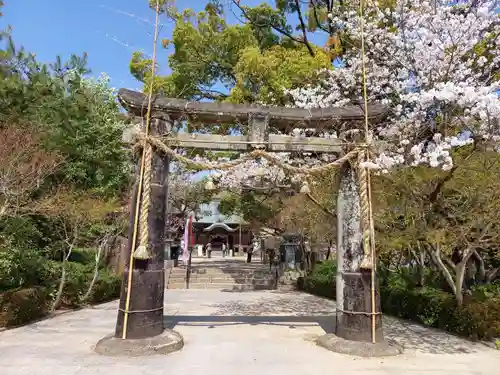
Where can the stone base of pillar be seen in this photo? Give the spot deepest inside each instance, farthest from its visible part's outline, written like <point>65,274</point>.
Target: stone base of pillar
<point>167,342</point>
<point>146,304</point>
<point>358,348</point>
<point>354,319</point>
<point>354,309</point>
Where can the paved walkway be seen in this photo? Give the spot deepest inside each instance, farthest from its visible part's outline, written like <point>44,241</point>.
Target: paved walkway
<point>234,334</point>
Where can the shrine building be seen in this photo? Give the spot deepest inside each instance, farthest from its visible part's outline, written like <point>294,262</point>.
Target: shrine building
<point>210,226</point>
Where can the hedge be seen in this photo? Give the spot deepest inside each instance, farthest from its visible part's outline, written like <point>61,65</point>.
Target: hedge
<point>107,286</point>
<point>21,306</point>
<point>478,318</point>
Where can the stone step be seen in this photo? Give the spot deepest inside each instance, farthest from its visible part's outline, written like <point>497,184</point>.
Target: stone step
<point>223,269</point>
<point>220,286</point>
<point>223,275</point>
<point>232,274</point>
<point>211,272</point>
<point>217,279</point>
<point>238,269</point>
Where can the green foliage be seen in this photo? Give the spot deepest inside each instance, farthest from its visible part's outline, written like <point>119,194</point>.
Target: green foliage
<point>21,267</point>
<point>268,25</point>
<point>251,61</point>
<point>475,319</point>
<point>262,76</point>
<point>62,169</point>
<point>252,206</point>
<point>79,117</point>
<point>478,318</point>
<point>28,232</point>
<point>21,306</point>
<point>106,288</point>
<point>483,292</point>
<point>322,280</point>
<point>205,51</point>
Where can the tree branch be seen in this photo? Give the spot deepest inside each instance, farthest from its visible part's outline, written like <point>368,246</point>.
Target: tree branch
<point>274,27</point>
<point>320,206</point>
<point>436,257</point>
<point>316,19</point>
<point>303,28</point>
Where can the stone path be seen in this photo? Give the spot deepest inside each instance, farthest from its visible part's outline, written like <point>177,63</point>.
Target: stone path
<point>234,334</point>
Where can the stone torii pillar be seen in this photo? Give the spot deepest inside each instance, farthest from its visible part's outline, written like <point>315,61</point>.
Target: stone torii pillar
<point>142,332</point>
<point>353,328</point>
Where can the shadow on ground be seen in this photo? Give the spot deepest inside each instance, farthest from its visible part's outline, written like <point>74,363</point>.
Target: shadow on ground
<point>214,321</point>
<point>314,311</point>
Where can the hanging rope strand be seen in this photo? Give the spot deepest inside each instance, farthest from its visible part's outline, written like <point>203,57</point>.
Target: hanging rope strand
<point>365,183</point>
<point>143,189</point>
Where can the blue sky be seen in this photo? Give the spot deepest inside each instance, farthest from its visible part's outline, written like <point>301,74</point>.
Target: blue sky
<point>109,31</point>
<point>101,28</point>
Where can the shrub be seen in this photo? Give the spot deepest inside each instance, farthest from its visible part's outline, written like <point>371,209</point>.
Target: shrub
<point>21,306</point>
<point>78,278</point>
<point>321,281</point>
<point>478,318</point>
<point>21,268</point>
<point>106,288</point>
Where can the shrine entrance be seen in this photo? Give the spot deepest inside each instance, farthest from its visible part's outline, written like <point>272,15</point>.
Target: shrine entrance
<point>358,315</point>
<point>217,240</point>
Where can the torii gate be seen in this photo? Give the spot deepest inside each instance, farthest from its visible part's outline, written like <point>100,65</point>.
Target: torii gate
<point>354,312</point>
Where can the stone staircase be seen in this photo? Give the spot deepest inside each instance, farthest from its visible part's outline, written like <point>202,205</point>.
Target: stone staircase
<point>227,274</point>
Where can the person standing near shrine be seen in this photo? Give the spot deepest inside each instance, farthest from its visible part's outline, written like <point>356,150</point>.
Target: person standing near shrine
<point>224,249</point>
<point>249,254</point>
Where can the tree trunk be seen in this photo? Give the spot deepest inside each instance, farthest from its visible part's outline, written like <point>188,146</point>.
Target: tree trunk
<point>57,300</point>
<point>98,255</point>
<point>353,284</point>
<point>480,266</point>
<point>459,282</point>
<point>492,275</point>
<point>421,266</point>
<point>455,280</point>
<point>435,255</point>
<point>329,251</point>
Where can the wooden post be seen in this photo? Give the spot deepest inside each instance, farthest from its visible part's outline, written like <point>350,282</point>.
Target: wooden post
<point>354,321</point>
<point>145,317</point>
<point>168,224</point>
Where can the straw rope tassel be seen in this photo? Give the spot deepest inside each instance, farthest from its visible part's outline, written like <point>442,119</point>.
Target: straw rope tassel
<point>367,262</point>
<point>142,250</point>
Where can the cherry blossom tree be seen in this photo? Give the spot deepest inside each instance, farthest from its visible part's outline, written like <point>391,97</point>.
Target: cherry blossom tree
<point>436,66</point>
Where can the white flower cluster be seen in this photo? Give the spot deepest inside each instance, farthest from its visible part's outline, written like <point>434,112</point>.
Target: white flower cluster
<point>437,68</point>
<point>436,65</point>
<point>255,172</point>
